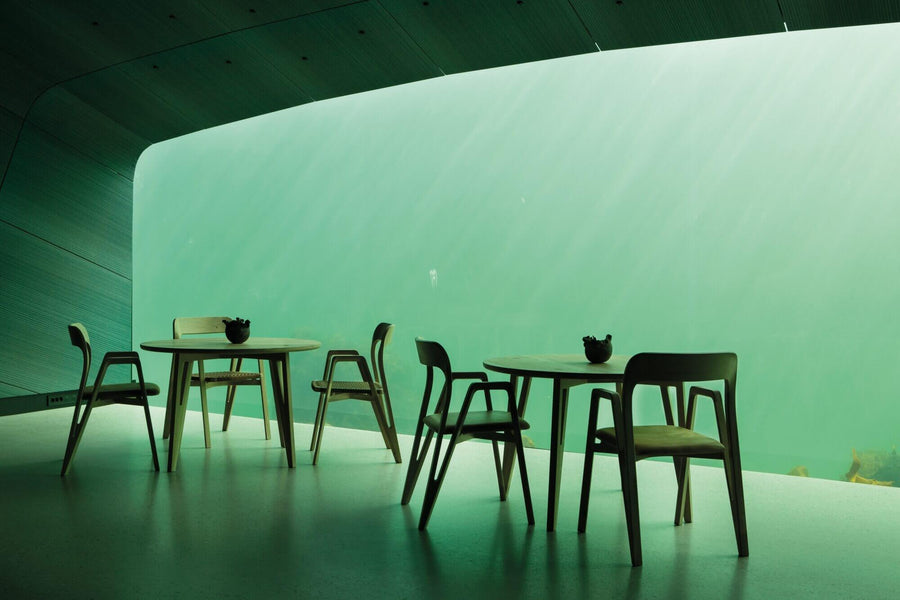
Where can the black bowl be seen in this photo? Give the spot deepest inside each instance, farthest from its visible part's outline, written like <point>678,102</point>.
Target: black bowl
<point>237,334</point>
<point>598,352</point>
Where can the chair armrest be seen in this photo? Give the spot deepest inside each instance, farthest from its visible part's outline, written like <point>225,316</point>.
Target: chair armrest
<point>331,354</point>
<point>480,375</point>
<point>616,402</point>
<point>361,364</point>
<point>119,358</point>
<point>713,395</point>
<point>598,393</point>
<point>716,398</point>
<point>491,385</point>
<point>487,386</point>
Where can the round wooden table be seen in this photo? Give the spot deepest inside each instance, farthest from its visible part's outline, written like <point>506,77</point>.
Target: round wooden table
<point>186,351</point>
<point>566,371</point>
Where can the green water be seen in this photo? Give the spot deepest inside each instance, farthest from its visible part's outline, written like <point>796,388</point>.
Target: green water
<point>727,195</point>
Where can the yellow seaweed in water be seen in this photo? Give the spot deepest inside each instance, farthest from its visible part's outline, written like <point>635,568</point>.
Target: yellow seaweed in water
<point>853,475</point>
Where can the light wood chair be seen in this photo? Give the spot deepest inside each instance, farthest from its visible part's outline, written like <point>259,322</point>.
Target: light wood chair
<point>134,394</point>
<point>632,443</point>
<point>233,377</point>
<point>371,387</point>
<point>495,425</point>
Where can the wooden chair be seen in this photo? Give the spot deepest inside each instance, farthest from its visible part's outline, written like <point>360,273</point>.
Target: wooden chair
<point>632,443</point>
<point>134,394</point>
<point>371,387</point>
<point>232,378</point>
<point>490,424</point>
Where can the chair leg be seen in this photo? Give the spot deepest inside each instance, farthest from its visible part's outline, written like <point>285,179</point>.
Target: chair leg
<point>320,432</point>
<point>588,472</point>
<point>735,485</point>
<point>205,408</point>
<point>150,431</point>
<point>416,460</point>
<point>230,391</point>
<point>683,499</point>
<point>585,488</point>
<point>526,488</point>
<point>498,465</point>
<point>436,478</point>
<point>76,430</point>
<point>388,431</point>
<point>315,432</point>
<point>379,419</point>
<point>628,474</point>
<point>632,513</point>
<point>688,503</point>
<point>391,427</point>
<point>265,401</point>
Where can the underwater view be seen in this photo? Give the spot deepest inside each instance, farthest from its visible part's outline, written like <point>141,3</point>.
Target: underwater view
<point>728,195</point>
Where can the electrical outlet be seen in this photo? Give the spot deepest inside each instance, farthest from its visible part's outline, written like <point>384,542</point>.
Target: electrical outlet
<point>61,399</point>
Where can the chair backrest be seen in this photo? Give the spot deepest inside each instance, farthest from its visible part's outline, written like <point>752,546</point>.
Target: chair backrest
<point>381,337</point>
<point>657,367</point>
<point>80,339</point>
<point>660,369</point>
<point>197,325</point>
<point>433,356</point>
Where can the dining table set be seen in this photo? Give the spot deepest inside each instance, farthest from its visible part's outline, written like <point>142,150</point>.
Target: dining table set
<point>188,351</point>
<point>564,370</point>
<point>629,442</point>
<point>695,377</point>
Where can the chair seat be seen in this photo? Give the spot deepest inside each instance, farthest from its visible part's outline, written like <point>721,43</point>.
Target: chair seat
<point>344,387</point>
<point>486,420</point>
<point>115,390</point>
<point>234,377</point>
<point>668,440</point>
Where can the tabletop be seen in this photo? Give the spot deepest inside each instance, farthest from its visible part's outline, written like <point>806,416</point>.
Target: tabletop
<point>254,345</point>
<point>560,366</point>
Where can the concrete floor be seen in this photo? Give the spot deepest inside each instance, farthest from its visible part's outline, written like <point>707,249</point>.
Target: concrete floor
<point>235,522</point>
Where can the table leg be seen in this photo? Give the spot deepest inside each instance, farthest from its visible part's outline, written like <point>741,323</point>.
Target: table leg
<point>557,448</point>
<point>181,386</point>
<point>509,449</point>
<point>280,369</point>
<point>274,370</point>
<point>171,395</point>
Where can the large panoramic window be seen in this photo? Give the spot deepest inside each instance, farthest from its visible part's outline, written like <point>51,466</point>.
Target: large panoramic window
<point>727,195</point>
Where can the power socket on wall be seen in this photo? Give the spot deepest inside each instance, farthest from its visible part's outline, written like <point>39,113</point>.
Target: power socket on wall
<point>61,399</point>
<point>34,402</point>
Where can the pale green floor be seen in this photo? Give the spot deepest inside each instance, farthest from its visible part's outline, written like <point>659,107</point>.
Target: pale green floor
<point>235,522</point>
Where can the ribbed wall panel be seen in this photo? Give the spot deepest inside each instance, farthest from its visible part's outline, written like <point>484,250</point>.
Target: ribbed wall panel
<point>44,288</point>
<point>65,198</point>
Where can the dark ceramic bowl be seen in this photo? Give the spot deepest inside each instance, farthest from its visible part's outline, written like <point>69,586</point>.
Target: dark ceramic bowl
<point>598,352</point>
<point>235,333</point>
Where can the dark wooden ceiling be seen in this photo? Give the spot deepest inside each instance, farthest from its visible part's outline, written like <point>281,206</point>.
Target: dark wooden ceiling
<point>168,67</point>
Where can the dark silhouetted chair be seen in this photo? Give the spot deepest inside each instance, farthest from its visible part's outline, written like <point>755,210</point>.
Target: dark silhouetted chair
<point>632,443</point>
<point>232,378</point>
<point>371,387</point>
<point>490,424</point>
<point>134,394</point>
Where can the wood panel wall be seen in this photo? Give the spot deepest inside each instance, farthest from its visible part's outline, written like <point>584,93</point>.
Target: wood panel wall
<point>65,242</point>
